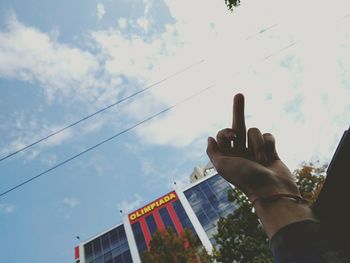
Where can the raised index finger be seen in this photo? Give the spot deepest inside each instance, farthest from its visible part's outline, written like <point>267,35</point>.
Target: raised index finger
<point>238,121</point>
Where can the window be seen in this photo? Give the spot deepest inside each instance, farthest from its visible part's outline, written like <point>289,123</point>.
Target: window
<point>99,260</point>
<point>151,223</point>
<point>127,257</point>
<point>106,244</point>
<point>121,232</point>
<point>167,221</point>
<point>118,259</point>
<point>108,248</point>
<point>139,238</point>
<point>108,258</point>
<point>181,214</point>
<point>89,255</point>
<point>209,202</point>
<point>97,247</point>
<point>124,247</point>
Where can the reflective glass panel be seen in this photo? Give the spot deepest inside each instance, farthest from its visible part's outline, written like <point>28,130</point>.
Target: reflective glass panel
<point>151,224</point>
<point>139,238</point>
<point>108,247</point>
<point>209,201</point>
<point>167,221</point>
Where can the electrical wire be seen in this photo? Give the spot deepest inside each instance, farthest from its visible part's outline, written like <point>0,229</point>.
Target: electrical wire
<point>262,31</point>
<point>101,110</point>
<point>105,141</point>
<point>130,128</point>
<point>126,130</point>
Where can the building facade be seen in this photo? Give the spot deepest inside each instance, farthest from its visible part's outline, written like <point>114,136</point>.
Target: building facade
<point>197,207</point>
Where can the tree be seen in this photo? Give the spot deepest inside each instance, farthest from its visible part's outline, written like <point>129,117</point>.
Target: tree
<point>232,4</point>
<point>166,246</point>
<point>240,236</point>
<point>310,178</point>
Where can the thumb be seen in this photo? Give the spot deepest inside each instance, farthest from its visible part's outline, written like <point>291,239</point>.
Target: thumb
<point>213,150</point>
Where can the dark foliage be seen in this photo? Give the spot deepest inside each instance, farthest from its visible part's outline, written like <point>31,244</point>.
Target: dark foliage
<point>168,247</point>
<point>232,4</point>
<point>240,235</point>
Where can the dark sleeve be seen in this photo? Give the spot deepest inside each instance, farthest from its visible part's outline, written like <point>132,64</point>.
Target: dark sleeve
<point>305,242</point>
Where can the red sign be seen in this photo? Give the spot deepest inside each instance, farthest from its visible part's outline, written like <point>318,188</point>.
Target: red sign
<point>152,206</point>
<point>76,253</point>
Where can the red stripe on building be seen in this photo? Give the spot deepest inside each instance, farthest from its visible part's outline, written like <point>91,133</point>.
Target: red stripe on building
<point>175,219</point>
<point>158,220</point>
<point>145,231</point>
<point>76,253</point>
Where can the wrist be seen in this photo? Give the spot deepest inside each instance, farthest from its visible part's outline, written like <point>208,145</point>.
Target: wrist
<point>278,213</point>
<point>273,183</point>
<point>276,196</point>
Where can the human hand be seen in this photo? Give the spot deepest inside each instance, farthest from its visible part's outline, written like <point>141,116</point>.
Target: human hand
<point>256,169</point>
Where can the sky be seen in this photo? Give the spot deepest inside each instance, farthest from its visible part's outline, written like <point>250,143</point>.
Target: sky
<point>62,60</point>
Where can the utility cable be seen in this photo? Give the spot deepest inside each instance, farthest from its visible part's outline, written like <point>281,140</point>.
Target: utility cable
<point>264,30</point>
<point>101,110</point>
<point>105,141</point>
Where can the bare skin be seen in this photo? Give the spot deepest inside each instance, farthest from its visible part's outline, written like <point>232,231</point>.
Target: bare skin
<point>256,170</point>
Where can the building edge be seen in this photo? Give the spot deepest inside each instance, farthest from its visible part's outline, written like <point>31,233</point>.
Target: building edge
<point>131,240</point>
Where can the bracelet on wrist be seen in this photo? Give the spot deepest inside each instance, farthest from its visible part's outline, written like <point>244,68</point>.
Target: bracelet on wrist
<point>298,199</point>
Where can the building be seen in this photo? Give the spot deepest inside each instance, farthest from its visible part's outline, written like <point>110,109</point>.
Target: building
<point>197,207</point>
<point>198,173</point>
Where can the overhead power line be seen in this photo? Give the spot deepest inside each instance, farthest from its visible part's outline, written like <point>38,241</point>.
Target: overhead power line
<point>101,110</point>
<point>136,125</point>
<point>105,141</point>
<point>262,31</point>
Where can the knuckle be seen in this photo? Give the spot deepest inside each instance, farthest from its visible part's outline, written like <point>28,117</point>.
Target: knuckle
<point>223,133</point>
<point>253,130</point>
<point>267,134</point>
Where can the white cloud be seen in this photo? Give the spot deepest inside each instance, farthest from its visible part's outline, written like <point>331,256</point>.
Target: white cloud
<point>127,207</point>
<point>147,6</point>
<point>71,201</point>
<point>27,131</point>
<point>131,57</point>
<point>61,71</point>
<point>101,11</point>
<point>143,23</point>
<point>7,208</point>
<point>148,168</point>
<point>295,92</point>
<point>30,55</point>
<point>122,23</point>
<point>311,73</point>
<point>49,159</point>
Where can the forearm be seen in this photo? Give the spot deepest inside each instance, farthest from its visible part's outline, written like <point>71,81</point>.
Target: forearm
<point>276,214</point>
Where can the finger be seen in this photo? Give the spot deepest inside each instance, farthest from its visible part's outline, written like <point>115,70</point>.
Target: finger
<point>224,138</point>
<point>213,151</point>
<point>270,147</point>
<point>238,122</point>
<point>256,144</point>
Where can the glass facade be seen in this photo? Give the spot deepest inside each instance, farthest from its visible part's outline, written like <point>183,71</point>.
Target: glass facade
<point>209,201</point>
<point>112,247</point>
